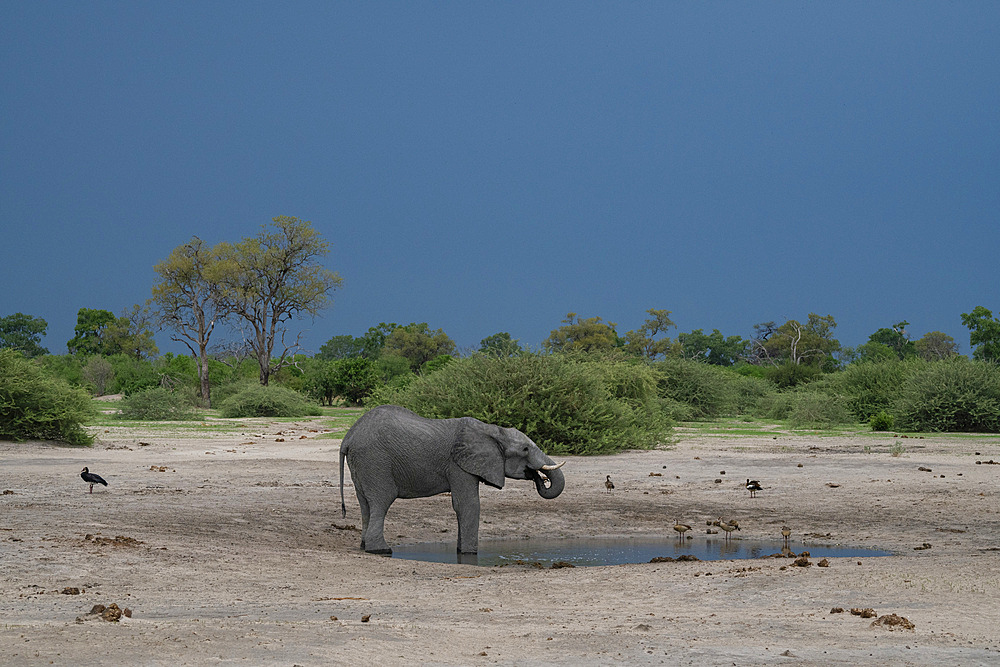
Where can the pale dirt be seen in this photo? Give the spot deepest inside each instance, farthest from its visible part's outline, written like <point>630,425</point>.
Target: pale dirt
<point>236,553</point>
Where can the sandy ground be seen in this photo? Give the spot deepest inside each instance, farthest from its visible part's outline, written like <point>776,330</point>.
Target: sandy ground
<point>230,549</point>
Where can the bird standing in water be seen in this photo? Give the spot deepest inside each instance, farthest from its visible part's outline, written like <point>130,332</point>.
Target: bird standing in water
<point>608,484</point>
<point>92,478</point>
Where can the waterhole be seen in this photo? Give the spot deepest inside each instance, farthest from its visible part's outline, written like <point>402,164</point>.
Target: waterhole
<point>593,551</point>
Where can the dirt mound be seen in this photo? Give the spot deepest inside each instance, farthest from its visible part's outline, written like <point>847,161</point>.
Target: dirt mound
<point>893,622</point>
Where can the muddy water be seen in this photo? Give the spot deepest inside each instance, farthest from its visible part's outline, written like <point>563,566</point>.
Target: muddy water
<point>586,552</point>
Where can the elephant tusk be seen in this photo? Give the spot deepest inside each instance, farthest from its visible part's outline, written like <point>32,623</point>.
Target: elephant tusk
<point>554,467</point>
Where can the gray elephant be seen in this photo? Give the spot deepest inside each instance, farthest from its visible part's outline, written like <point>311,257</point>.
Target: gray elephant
<point>394,453</point>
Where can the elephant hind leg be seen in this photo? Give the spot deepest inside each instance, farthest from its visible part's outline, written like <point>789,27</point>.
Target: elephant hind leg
<point>373,538</point>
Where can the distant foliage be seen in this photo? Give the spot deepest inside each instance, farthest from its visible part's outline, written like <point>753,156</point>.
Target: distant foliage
<point>156,404</point>
<point>707,391</point>
<point>789,375</point>
<point>37,406</point>
<point>809,408</point>
<point>568,405</point>
<point>871,387</point>
<point>268,401</point>
<point>951,395</point>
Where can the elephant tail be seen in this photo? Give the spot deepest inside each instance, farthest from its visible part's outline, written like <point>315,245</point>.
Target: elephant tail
<point>343,455</point>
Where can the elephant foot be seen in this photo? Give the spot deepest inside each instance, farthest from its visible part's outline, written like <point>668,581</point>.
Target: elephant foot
<point>381,552</point>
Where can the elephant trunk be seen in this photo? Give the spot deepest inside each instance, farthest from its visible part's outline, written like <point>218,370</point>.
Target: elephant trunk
<point>549,483</point>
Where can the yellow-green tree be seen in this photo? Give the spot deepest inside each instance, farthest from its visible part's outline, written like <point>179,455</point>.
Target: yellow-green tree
<point>582,335</point>
<point>271,278</point>
<point>187,301</point>
<point>642,342</point>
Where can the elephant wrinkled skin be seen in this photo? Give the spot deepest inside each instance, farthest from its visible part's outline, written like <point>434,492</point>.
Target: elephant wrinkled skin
<point>395,453</point>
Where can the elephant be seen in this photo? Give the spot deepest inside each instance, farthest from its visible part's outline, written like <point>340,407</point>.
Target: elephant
<point>395,453</point>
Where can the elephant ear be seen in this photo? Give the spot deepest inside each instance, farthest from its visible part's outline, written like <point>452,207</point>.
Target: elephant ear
<point>478,452</point>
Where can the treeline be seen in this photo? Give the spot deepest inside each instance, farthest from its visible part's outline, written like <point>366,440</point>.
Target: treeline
<point>583,392</point>
<point>586,389</point>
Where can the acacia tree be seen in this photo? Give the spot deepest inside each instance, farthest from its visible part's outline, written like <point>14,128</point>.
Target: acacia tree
<point>582,335</point>
<point>187,301</point>
<point>642,342</point>
<point>270,279</point>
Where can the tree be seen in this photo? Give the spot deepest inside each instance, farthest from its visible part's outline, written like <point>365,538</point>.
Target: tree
<point>984,333</point>
<point>23,333</point>
<point>500,345</point>
<point>130,334</point>
<point>187,300</point>
<point>341,347</point>
<point>91,324</point>
<point>99,372</point>
<point>418,344</point>
<point>713,348</point>
<point>762,333</point>
<point>576,335</point>
<point>896,339</point>
<point>642,342</point>
<point>936,345</point>
<point>811,343</point>
<point>272,278</point>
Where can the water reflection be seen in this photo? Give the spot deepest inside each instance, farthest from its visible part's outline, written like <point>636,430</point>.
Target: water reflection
<point>584,552</point>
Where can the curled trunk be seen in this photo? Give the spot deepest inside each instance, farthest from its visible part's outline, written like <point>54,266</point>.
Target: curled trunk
<point>549,483</point>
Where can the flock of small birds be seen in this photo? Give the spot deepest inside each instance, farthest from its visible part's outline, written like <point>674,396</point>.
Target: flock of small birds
<point>727,527</point>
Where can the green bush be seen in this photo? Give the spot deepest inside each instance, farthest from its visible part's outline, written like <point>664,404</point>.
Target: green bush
<point>132,375</point>
<point>871,387</point>
<point>807,408</point>
<point>37,406</point>
<point>566,405</point>
<point>708,391</point>
<point>789,375</point>
<point>952,395</point>
<point>270,401</point>
<point>157,404</point>
<point>750,392</point>
<point>882,421</point>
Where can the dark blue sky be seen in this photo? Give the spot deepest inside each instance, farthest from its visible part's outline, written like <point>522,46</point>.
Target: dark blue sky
<point>488,167</point>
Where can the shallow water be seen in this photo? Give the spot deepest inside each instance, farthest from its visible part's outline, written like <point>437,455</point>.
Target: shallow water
<point>585,552</point>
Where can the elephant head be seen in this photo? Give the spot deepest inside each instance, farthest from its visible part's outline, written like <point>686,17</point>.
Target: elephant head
<point>493,453</point>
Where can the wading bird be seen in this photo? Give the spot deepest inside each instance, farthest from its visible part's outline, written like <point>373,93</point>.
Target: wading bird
<point>92,478</point>
<point>753,486</point>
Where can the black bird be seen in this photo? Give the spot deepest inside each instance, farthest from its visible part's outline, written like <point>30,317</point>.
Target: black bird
<point>608,484</point>
<point>92,478</point>
<point>753,486</point>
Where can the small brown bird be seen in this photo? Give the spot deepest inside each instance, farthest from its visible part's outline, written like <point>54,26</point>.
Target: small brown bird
<point>753,486</point>
<point>727,527</point>
<point>786,533</point>
<point>92,478</point>
<point>608,484</point>
<point>681,528</point>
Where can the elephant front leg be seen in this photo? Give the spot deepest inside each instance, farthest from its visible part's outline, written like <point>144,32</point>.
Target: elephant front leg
<point>465,501</point>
